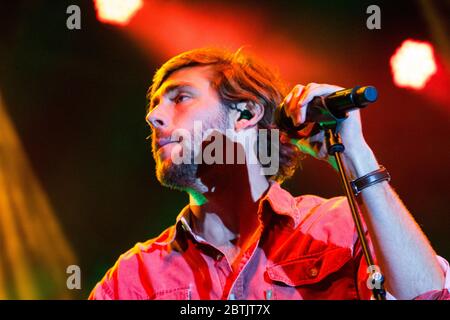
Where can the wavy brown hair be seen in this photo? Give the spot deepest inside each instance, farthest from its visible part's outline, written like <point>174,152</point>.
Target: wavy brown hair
<point>239,77</point>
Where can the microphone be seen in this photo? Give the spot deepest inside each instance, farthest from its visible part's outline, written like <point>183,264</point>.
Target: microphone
<point>334,107</point>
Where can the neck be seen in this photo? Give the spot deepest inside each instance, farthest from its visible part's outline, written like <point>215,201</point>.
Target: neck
<point>225,211</point>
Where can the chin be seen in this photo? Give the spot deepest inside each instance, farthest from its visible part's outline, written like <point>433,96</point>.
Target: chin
<point>176,176</point>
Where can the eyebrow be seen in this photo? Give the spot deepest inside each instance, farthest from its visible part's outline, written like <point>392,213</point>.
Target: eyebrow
<point>168,89</point>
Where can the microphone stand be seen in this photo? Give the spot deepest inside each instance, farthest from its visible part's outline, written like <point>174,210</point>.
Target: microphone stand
<point>335,147</point>
<point>330,122</point>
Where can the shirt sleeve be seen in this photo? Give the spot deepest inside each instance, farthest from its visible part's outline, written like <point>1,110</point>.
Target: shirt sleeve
<point>101,292</point>
<point>439,294</point>
<point>122,281</point>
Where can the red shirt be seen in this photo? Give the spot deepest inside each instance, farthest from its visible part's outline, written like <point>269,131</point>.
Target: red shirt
<point>305,248</point>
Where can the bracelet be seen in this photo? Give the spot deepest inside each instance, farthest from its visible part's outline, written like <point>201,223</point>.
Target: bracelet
<point>370,179</point>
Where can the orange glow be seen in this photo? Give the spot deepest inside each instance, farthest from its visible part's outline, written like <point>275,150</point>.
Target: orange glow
<point>117,11</point>
<point>166,28</point>
<point>413,64</point>
<point>34,251</point>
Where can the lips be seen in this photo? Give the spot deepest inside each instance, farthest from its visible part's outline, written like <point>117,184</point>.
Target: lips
<point>162,142</point>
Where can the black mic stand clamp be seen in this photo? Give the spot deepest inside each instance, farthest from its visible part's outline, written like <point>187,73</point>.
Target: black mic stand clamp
<point>335,147</point>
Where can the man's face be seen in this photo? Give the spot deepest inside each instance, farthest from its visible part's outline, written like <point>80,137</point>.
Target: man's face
<point>186,96</point>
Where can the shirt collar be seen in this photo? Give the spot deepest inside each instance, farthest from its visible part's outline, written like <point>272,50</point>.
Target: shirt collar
<point>280,200</point>
<point>282,203</point>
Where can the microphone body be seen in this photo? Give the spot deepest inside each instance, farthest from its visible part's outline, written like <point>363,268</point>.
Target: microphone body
<point>331,108</point>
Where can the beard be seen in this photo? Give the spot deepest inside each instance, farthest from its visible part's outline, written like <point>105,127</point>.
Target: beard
<point>177,176</point>
<point>184,176</point>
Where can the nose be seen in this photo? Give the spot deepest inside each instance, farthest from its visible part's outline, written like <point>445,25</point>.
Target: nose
<point>155,119</point>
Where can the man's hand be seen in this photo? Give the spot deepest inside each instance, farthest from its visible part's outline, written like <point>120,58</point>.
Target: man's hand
<point>351,131</point>
<point>402,250</point>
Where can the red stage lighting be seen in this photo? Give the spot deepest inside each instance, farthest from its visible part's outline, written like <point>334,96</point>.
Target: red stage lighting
<point>117,11</point>
<point>413,64</point>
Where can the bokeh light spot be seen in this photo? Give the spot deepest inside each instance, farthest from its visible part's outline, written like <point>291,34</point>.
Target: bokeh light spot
<point>413,64</point>
<point>117,12</point>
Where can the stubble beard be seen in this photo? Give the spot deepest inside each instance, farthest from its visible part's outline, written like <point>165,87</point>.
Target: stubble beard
<point>177,176</point>
<point>184,176</point>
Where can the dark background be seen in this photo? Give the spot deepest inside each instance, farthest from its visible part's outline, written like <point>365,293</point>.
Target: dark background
<point>77,100</point>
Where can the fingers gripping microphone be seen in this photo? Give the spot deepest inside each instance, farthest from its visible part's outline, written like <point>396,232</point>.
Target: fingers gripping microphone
<point>331,108</point>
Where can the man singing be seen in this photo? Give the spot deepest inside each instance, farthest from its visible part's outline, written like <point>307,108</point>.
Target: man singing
<point>244,237</point>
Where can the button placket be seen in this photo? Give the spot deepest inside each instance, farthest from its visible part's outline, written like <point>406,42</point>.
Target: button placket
<point>238,281</point>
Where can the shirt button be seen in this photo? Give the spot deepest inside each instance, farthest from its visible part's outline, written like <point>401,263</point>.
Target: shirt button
<point>219,256</point>
<point>313,272</point>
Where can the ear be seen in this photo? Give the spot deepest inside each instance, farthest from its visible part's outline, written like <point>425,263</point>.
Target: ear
<point>255,109</point>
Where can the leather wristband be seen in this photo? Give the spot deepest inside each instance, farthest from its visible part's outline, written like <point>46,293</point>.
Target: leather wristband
<point>370,179</point>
